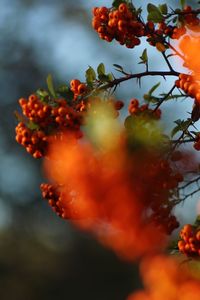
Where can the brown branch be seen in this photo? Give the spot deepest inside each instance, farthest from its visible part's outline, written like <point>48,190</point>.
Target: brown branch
<point>182,13</point>
<point>183,142</point>
<point>117,81</point>
<point>181,137</point>
<point>189,183</point>
<point>164,98</point>
<point>176,51</point>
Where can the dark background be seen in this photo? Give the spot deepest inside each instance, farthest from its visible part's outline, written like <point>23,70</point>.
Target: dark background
<point>42,256</point>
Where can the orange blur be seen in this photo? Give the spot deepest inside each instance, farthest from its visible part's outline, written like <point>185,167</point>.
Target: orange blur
<point>164,278</point>
<point>104,196</point>
<point>190,46</point>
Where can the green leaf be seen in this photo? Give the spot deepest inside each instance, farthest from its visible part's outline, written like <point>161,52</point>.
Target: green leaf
<point>155,16</point>
<point>50,85</point>
<point>19,117</point>
<point>151,99</point>
<point>171,96</point>
<point>181,126</point>
<point>106,78</point>
<point>42,93</point>
<point>90,75</point>
<point>33,126</point>
<point>65,91</point>
<point>154,88</point>
<point>116,3</point>
<point>101,69</point>
<point>163,8</point>
<point>144,57</point>
<point>175,130</point>
<point>110,77</point>
<point>129,122</point>
<point>118,67</point>
<point>151,7</point>
<point>174,20</point>
<point>182,3</point>
<point>197,221</point>
<point>154,13</point>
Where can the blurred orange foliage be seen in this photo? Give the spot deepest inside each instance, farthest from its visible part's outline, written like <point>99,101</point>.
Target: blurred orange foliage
<point>164,278</point>
<point>102,194</point>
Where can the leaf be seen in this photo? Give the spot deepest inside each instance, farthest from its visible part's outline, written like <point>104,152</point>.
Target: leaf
<point>182,3</point>
<point>101,69</point>
<point>171,96</point>
<point>90,75</point>
<point>154,13</point>
<point>33,126</point>
<point>118,67</point>
<point>154,88</point>
<point>42,93</point>
<point>181,126</point>
<point>197,221</point>
<point>50,85</point>
<point>163,8</point>
<point>106,78</point>
<point>195,112</point>
<point>178,122</point>
<point>151,99</point>
<point>110,77</point>
<point>19,117</point>
<point>129,122</point>
<point>185,124</point>
<point>144,57</point>
<point>155,16</point>
<point>116,3</point>
<point>174,20</point>
<point>151,7</point>
<point>175,130</point>
<point>65,91</point>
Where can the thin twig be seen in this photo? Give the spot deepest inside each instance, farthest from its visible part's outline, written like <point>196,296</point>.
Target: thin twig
<point>164,98</point>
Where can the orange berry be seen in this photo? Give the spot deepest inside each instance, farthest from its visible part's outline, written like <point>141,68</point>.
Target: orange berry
<point>62,111</point>
<point>95,11</point>
<point>96,23</point>
<point>198,235</point>
<point>123,8</point>
<point>160,47</point>
<point>197,146</point>
<point>37,154</point>
<point>82,88</point>
<point>197,97</point>
<point>181,246</point>
<point>74,83</point>
<point>118,104</point>
<point>22,101</point>
<point>32,98</point>
<point>192,89</point>
<point>186,86</point>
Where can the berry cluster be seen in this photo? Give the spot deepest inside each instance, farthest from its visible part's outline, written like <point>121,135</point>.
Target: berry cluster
<point>78,88</point>
<point>165,221</point>
<point>35,141</point>
<point>48,119</point>
<point>54,197</point>
<point>163,180</point>
<point>156,36</point>
<point>197,142</point>
<point>135,109</point>
<point>61,200</point>
<point>190,240</point>
<point>188,84</point>
<point>191,20</point>
<point>120,24</point>
<point>173,32</point>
